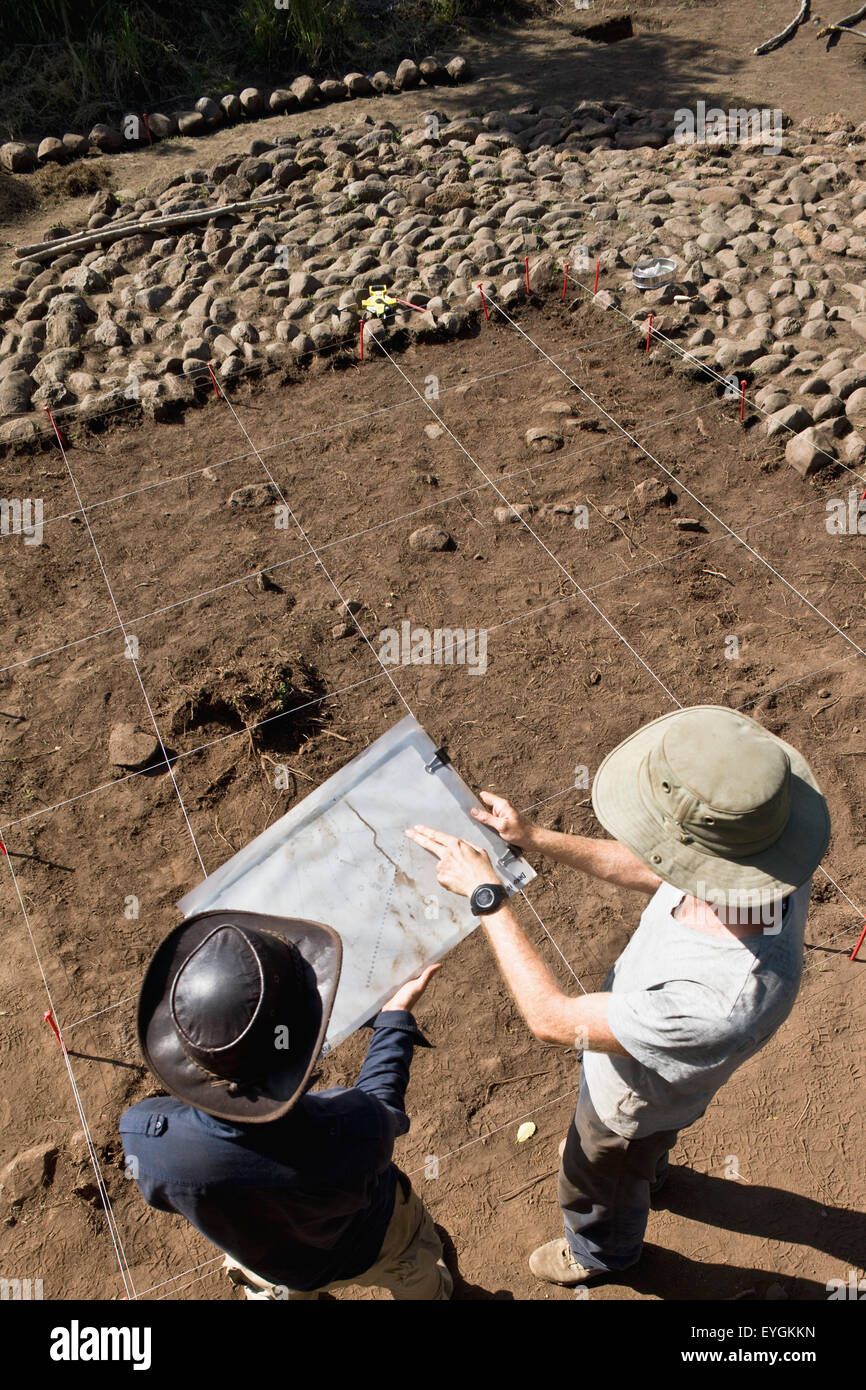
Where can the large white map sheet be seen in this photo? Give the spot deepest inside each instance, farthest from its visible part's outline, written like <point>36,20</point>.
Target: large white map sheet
<point>340,857</point>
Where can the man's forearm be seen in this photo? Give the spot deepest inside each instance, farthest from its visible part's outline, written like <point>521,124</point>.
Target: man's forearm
<point>552,1016</point>
<point>535,992</point>
<point>605,859</point>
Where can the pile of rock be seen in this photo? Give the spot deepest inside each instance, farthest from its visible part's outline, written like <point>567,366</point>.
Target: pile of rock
<point>19,157</point>
<point>770,250</point>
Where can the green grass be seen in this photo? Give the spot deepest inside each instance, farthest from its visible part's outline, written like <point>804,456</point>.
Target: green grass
<point>65,64</point>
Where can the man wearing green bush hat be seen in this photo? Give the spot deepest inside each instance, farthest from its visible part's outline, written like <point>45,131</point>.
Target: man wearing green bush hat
<point>721,825</point>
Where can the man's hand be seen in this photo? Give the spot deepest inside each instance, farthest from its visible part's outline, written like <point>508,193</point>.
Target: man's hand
<point>407,995</point>
<point>503,818</point>
<point>604,859</point>
<point>462,867</point>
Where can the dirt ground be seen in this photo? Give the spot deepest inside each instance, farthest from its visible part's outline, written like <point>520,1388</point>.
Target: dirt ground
<point>218,653</point>
<point>680,53</point>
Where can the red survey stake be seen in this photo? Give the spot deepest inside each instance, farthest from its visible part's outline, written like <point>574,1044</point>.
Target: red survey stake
<point>60,440</point>
<point>48,1016</point>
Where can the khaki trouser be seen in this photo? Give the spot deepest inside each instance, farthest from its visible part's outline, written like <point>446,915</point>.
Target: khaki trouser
<point>409,1263</point>
<point>604,1188</point>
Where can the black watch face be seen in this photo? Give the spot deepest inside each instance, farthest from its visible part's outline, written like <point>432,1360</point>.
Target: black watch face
<point>485,898</point>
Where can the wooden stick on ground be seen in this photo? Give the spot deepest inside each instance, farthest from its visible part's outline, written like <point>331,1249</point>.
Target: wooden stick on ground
<point>509,1197</point>
<point>840,29</point>
<point>76,240</point>
<point>833,31</point>
<point>787,33</point>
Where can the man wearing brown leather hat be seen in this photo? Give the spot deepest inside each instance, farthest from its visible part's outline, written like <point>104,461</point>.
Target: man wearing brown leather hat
<point>722,826</point>
<point>298,1187</point>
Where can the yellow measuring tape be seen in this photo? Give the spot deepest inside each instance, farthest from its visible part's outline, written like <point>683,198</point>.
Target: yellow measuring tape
<point>379,301</point>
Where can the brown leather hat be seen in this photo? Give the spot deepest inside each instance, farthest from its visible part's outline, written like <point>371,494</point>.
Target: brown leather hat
<point>234,1009</point>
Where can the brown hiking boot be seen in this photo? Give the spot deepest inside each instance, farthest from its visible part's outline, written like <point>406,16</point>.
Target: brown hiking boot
<point>555,1263</point>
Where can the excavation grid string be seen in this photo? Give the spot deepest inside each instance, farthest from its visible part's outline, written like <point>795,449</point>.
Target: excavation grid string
<point>129,650</point>
<point>191,752</point>
<point>582,592</point>
<point>680,484</point>
<point>756,555</point>
<point>565,598</point>
<point>711,372</point>
<point>359,535</point>
<point>114,1230</point>
<point>491,483</point>
<point>489,1135</point>
<point>517,618</point>
<point>298,438</point>
<point>106,1201</point>
<point>216,1259</point>
<point>363,634</point>
<point>314,552</point>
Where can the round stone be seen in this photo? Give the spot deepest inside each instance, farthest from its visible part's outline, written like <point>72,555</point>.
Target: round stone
<point>131,747</point>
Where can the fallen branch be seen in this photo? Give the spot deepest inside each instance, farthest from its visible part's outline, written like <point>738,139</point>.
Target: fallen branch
<point>788,33</point>
<point>216,824</point>
<point>834,31</point>
<point>839,29</point>
<point>506,1080</point>
<point>295,770</point>
<point>76,240</point>
<point>611,521</point>
<point>533,1182</point>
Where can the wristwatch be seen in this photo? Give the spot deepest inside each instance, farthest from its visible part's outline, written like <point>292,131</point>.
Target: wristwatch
<point>488,897</point>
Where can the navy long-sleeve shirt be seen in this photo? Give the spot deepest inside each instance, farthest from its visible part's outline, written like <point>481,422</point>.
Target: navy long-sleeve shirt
<point>302,1201</point>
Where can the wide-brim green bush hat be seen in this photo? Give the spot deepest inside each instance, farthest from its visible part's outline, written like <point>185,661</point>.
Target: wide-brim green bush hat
<point>716,805</point>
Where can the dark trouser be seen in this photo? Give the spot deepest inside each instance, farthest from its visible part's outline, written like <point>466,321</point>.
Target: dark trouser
<point>604,1188</point>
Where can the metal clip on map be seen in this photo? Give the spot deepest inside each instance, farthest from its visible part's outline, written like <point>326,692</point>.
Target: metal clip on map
<point>512,853</point>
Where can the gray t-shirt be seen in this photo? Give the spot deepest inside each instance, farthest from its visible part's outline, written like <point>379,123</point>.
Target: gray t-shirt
<point>689,1008</point>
